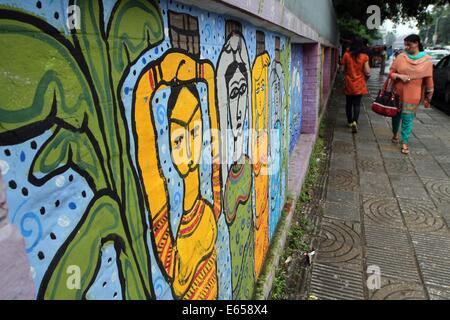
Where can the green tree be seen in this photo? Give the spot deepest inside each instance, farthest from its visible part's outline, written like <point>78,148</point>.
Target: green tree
<point>352,14</point>
<point>441,16</point>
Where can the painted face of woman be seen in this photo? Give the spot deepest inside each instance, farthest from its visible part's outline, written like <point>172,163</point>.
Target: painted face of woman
<point>186,133</point>
<point>238,103</point>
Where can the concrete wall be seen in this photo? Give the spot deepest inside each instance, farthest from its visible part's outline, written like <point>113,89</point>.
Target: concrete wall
<point>143,150</point>
<point>319,15</point>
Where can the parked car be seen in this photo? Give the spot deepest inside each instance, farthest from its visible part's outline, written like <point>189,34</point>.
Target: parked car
<point>437,55</point>
<point>441,77</point>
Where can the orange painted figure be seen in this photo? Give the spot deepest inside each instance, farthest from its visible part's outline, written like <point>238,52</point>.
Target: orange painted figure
<point>187,256</point>
<point>260,139</point>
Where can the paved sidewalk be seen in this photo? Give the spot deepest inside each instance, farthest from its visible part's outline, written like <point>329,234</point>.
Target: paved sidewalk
<point>385,209</point>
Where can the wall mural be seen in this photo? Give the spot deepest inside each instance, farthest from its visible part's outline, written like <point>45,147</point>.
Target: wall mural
<point>146,147</point>
<point>296,96</point>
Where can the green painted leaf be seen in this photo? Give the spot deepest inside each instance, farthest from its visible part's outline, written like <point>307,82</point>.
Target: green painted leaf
<point>38,73</point>
<point>134,26</point>
<point>100,223</point>
<point>66,148</point>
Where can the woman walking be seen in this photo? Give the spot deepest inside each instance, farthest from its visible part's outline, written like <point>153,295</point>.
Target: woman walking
<point>412,72</point>
<point>355,63</point>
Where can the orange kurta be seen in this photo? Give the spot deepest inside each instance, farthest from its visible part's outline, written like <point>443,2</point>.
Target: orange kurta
<point>355,81</point>
<point>421,73</point>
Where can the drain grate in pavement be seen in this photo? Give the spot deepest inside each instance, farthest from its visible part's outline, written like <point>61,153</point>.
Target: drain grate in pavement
<point>394,290</point>
<point>339,243</point>
<point>393,263</point>
<point>340,231</point>
<point>344,180</point>
<point>369,165</point>
<point>439,190</point>
<point>421,216</point>
<point>433,254</point>
<point>334,283</point>
<point>382,211</point>
<point>399,167</point>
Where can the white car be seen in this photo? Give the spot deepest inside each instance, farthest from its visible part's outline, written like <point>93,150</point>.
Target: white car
<point>437,55</point>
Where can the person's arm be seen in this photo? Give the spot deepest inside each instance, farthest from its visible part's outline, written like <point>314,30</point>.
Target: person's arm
<point>342,63</point>
<point>393,73</point>
<point>367,69</point>
<point>429,90</point>
<point>398,76</point>
<point>402,77</point>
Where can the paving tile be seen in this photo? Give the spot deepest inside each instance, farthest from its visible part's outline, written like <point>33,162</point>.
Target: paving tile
<point>345,197</point>
<point>382,211</point>
<point>433,255</point>
<point>393,264</point>
<point>422,216</point>
<point>393,289</point>
<point>402,167</point>
<point>429,169</point>
<point>438,293</point>
<point>343,180</point>
<point>375,183</point>
<point>341,210</point>
<point>381,236</point>
<point>370,164</point>
<point>409,187</point>
<point>336,283</point>
<point>342,161</point>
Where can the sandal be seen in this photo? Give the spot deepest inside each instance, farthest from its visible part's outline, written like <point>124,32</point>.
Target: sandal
<point>395,140</point>
<point>405,150</point>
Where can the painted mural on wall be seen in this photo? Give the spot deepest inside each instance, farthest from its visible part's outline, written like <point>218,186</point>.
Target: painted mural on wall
<point>296,96</point>
<point>113,146</point>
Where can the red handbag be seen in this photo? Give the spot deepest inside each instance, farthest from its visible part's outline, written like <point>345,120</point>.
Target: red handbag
<point>387,102</point>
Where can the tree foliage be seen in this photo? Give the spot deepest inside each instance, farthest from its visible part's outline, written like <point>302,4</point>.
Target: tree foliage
<point>352,14</point>
<point>441,16</point>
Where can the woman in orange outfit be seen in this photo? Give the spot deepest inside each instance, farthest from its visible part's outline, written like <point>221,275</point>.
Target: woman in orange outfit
<point>355,63</point>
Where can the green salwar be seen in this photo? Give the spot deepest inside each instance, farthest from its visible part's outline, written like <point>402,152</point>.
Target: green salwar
<point>407,125</point>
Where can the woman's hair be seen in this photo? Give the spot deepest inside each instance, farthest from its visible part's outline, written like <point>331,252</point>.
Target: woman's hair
<point>357,47</point>
<point>414,38</point>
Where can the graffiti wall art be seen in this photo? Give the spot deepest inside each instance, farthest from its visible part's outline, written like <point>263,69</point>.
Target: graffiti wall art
<point>144,146</point>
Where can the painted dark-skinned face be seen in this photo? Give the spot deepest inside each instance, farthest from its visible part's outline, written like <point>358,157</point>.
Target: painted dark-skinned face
<point>238,104</point>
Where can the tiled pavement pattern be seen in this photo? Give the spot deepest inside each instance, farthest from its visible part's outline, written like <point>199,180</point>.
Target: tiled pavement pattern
<point>385,209</point>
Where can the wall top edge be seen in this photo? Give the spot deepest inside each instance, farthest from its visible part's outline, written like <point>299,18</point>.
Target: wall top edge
<point>270,14</point>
